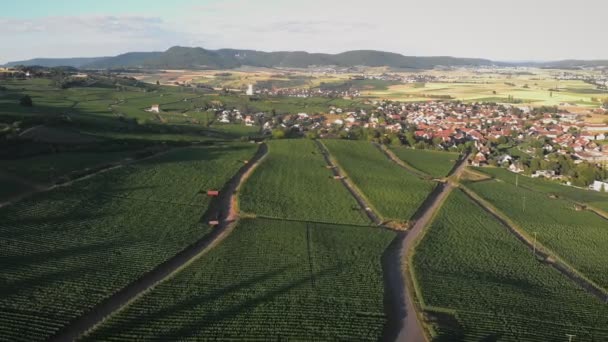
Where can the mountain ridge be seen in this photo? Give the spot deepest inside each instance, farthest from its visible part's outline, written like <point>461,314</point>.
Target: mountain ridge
<point>179,57</point>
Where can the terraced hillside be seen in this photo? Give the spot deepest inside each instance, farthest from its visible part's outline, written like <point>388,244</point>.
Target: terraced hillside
<point>65,250</point>
<point>479,283</point>
<point>395,193</point>
<point>269,280</point>
<point>294,183</point>
<point>578,237</point>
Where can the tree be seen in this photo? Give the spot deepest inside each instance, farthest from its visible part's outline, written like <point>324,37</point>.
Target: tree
<point>26,101</point>
<point>157,82</point>
<point>278,134</point>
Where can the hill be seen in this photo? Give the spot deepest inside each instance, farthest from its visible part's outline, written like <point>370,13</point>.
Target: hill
<point>179,57</point>
<point>56,62</point>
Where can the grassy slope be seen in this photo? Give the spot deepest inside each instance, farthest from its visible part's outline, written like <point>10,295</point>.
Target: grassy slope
<point>293,183</point>
<point>64,250</point>
<point>395,193</point>
<point>469,263</point>
<point>269,280</point>
<point>434,163</point>
<point>579,237</point>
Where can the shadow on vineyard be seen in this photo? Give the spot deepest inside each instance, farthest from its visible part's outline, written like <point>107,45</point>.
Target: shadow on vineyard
<point>214,299</point>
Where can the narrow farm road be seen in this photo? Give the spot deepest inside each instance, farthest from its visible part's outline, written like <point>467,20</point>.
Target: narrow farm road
<point>541,252</point>
<point>411,329</point>
<point>34,188</point>
<point>225,209</point>
<point>375,218</point>
<point>390,155</point>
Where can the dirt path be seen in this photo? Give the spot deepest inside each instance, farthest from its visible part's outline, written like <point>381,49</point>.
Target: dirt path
<point>391,155</point>
<point>225,209</point>
<point>84,174</point>
<point>375,218</point>
<point>565,269</point>
<point>402,288</point>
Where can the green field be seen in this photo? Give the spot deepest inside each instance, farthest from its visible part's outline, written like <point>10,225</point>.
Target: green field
<point>594,198</point>
<point>578,237</point>
<point>434,163</point>
<point>539,89</point>
<point>394,192</point>
<point>270,280</point>
<point>45,168</point>
<point>484,285</point>
<point>65,250</point>
<point>293,183</point>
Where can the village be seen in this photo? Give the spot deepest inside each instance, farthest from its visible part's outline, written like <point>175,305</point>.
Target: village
<point>523,139</point>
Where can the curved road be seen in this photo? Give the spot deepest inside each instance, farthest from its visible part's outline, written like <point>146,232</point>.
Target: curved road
<point>225,208</point>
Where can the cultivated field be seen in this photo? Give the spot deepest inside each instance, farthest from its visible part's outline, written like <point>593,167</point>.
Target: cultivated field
<point>435,163</point>
<point>394,192</point>
<point>479,283</point>
<point>48,167</point>
<point>594,198</point>
<point>293,183</point>
<point>578,237</point>
<point>65,250</point>
<point>269,280</point>
<point>535,87</point>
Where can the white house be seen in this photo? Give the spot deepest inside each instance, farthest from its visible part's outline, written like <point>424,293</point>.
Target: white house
<point>155,108</point>
<point>249,90</point>
<point>599,186</point>
<point>543,173</point>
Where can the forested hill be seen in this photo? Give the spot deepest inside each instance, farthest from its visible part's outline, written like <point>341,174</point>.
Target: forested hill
<point>179,57</point>
<point>192,58</point>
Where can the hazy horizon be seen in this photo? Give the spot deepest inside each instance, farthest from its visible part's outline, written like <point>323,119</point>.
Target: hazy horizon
<point>515,31</point>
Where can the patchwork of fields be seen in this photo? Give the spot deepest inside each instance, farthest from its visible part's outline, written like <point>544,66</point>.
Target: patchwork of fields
<point>269,280</point>
<point>65,250</point>
<point>293,183</point>
<point>395,193</point>
<point>578,237</point>
<point>481,283</point>
<point>435,163</point>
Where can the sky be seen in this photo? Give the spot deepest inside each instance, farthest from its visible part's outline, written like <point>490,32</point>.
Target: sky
<point>514,30</point>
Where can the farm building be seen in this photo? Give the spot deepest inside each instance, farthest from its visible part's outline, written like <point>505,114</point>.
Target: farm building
<point>599,186</point>
<point>155,108</point>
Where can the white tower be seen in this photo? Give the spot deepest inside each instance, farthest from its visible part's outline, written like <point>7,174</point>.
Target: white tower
<point>249,90</point>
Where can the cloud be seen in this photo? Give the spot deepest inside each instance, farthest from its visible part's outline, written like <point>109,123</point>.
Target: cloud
<point>519,29</point>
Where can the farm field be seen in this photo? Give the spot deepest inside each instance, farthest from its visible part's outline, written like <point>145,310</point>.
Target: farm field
<point>45,168</point>
<point>64,250</point>
<point>394,192</point>
<point>539,89</point>
<point>594,198</point>
<point>482,284</point>
<point>434,163</point>
<point>268,280</point>
<point>293,183</point>
<point>578,237</point>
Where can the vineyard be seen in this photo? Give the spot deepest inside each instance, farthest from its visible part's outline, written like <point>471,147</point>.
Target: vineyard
<point>270,280</point>
<point>435,163</point>
<point>479,283</point>
<point>597,199</point>
<point>578,237</point>
<point>293,183</point>
<point>395,193</point>
<point>65,250</point>
<point>46,168</point>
